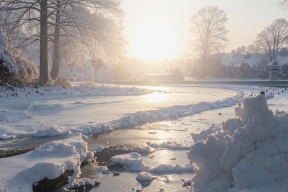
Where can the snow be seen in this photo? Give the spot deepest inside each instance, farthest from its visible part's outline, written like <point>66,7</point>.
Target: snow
<point>102,168</point>
<point>168,145</point>
<point>250,106</point>
<point>76,90</point>
<point>52,131</point>
<point>49,160</point>
<point>100,148</point>
<point>224,158</point>
<point>144,176</point>
<point>245,152</point>
<point>37,110</point>
<point>23,111</point>
<point>134,162</point>
<point>82,182</point>
<point>5,57</point>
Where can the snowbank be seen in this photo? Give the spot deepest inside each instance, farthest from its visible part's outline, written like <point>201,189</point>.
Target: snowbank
<point>47,161</point>
<point>245,153</point>
<point>77,90</point>
<point>168,113</point>
<point>134,162</point>
<point>52,131</point>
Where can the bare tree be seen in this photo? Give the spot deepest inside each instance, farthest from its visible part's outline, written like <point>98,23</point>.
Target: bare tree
<point>68,20</point>
<point>243,50</point>
<point>209,32</point>
<point>252,48</point>
<point>43,43</point>
<point>56,41</point>
<point>273,38</point>
<point>93,25</point>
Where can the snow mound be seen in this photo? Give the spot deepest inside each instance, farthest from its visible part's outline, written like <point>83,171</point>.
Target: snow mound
<point>52,131</point>
<point>250,106</point>
<point>100,148</point>
<point>245,153</point>
<point>82,182</point>
<point>134,162</point>
<point>6,137</point>
<point>47,161</point>
<point>101,168</point>
<point>144,176</point>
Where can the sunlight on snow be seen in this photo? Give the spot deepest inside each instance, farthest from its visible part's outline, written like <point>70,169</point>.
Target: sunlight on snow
<point>156,98</point>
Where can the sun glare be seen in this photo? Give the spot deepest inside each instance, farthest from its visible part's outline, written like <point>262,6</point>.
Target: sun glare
<point>154,40</point>
<point>156,98</point>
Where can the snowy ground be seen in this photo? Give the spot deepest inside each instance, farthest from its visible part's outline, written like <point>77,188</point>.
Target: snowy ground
<point>84,107</point>
<point>172,113</point>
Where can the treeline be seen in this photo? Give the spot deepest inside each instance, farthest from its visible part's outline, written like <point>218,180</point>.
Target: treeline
<point>222,71</point>
<point>243,71</point>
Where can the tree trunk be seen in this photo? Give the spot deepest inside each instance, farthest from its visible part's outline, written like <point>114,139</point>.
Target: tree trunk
<point>56,55</point>
<point>204,61</point>
<point>43,79</point>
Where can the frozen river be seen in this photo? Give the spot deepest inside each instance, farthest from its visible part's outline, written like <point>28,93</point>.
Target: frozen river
<point>157,125</point>
<point>29,114</point>
<point>177,131</point>
<point>166,131</point>
<point>63,112</point>
<point>105,109</point>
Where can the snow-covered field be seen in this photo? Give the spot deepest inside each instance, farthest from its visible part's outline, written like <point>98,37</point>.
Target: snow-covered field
<point>244,153</point>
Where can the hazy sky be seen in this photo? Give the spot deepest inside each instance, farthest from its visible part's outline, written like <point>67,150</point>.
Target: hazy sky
<point>157,29</point>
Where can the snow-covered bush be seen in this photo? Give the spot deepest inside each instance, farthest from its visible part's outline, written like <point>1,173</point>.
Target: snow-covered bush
<point>10,71</point>
<point>31,68</point>
<point>245,152</point>
<point>62,82</point>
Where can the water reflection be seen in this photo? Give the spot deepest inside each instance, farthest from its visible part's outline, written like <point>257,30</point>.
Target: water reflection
<point>156,97</point>
<point>179,131</point>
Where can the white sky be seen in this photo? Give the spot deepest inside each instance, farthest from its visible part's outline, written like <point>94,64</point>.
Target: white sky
<point>246,19</point>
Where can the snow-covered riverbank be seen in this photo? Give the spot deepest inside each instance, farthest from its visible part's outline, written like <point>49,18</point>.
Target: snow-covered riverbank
<point>48,111</point>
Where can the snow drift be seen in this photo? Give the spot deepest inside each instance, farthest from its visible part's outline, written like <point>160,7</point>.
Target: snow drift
<point>245,153</point>
<point>49,161</point>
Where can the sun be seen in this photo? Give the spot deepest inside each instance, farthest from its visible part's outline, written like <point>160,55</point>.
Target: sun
<point>154,40</point>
